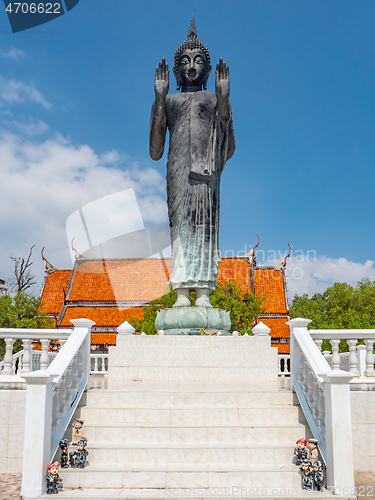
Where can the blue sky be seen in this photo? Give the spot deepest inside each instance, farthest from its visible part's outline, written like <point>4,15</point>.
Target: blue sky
<point>75,98</point>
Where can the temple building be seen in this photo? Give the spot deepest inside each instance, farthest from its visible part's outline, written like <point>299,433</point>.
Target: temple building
<point>114,290</point>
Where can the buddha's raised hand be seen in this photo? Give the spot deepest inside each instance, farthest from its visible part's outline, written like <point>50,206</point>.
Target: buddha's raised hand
<point>162,80</point>
<point>222,85</point>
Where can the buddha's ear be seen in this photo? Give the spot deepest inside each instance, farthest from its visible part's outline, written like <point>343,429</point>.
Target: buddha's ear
<point>175,72</point>
<point>208,74</point>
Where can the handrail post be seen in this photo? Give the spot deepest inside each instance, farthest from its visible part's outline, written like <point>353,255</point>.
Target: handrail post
<point>38,425</point>
<point>84,323</point>
<point>297,324</point>
<point>361,357</point>
<point>338,422</point>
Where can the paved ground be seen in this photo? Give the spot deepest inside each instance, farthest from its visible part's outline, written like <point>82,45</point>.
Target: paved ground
<point>10,486</point>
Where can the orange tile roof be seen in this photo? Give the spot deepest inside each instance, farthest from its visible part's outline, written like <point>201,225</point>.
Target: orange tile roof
<point>279,328</point>
<point>103,316</point>
<point>103,338</point>
<point>121,280</point>
<point>237,269</point>
<point>53,295</point>
<point>282,348</point>
<point>270,282</point>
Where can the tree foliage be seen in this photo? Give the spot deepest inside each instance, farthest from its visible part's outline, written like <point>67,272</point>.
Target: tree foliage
<point>242,305</point>
<point>340,306</point>
<point>21,311</point>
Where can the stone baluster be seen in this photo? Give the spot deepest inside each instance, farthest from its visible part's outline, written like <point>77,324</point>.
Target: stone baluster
<point>26,359</point>
<point>80,363</point>
<point>319,343</point>
<point>44,360</point>
<point>305,376</point>
<point>361,359</point>
<point>8,358</point>
<point>301,366</point>
<point>75,373</point>
<point>68,386</point>
<point>62,395</point>
<point>321,409</point>
<point>56,406</point>
<point>335,354</point>
<point>95,364</point>
<point>310,386</point>
<point>316,395</point>
<point>369,372</point>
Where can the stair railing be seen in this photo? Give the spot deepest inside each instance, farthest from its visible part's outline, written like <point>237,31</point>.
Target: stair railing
<point>52,396</point>
<point>324,396</point>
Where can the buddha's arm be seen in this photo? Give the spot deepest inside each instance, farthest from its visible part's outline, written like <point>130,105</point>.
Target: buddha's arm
<point>222,88</point>
<point>158,129</point>
<point>158,125</point>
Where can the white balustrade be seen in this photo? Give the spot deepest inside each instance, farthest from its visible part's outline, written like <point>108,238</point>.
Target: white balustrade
<point>99,364</point>
<point>284,365</point>
<point>324,396</point>
<point>52,396</point>
<point>359,364</point>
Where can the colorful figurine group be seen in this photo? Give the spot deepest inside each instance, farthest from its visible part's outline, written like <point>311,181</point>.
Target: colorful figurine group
<point>311,467</point>
<point>76,459</point>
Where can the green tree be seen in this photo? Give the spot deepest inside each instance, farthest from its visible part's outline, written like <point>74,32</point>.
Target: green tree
<point>340,306</point>
<point>242,305</point>
<point>21,311</point>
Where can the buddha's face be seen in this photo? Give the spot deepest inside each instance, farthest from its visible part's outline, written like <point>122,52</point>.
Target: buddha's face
<point>192,68</point>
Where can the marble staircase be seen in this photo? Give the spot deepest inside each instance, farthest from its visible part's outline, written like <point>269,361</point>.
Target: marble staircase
<point>190,417</point>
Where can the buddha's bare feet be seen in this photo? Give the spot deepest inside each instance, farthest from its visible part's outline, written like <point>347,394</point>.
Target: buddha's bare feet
<point>203,297</point>
<point>183,298</point>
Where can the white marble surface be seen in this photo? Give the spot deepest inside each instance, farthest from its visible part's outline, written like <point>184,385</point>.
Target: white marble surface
<point>363,428</point>
<point>12,423</point>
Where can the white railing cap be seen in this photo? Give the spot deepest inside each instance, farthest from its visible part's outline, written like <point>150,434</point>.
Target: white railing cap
<point>82,322</point>
<point>126,328</point>
<point>261,329</point>
<point>337,376</point>
<point>39,377</point>
<point>298,322</point>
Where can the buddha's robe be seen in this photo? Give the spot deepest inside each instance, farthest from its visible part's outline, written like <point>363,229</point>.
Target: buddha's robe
<point>199,146</point>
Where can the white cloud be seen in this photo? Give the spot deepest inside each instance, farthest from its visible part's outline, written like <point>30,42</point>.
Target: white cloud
<point>30,128</point>
<point>312,275</point>
<point>12,91</point>
<point>44,182</point>
<point>13,53</point>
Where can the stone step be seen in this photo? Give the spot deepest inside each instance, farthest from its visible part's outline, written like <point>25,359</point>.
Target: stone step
<point>193,453</point>
<point>280,414</point>
<point>155,433</point>
<point>166,399</point>
<point>235,493</point>
<point>185,358</point>
<point>251,341</point>
<point>182,476</point>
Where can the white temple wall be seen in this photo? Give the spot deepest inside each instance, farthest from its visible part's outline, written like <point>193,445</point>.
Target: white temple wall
<point>12,425</point>
<point>363,425</point>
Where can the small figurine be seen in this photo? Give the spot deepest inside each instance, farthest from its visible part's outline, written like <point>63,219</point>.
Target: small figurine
<point>312,450</point>
<point>78,457</point>
<point>77,430</point>
<point>318,476</point>
<point>300,451</point>
<point>306,474</point>
<point>64,443</point>
<point>53,478</point>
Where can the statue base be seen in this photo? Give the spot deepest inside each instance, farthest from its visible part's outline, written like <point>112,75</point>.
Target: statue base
<point>192,320</point>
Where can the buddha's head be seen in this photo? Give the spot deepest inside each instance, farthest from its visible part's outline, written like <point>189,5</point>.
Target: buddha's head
<point>192,61</point>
